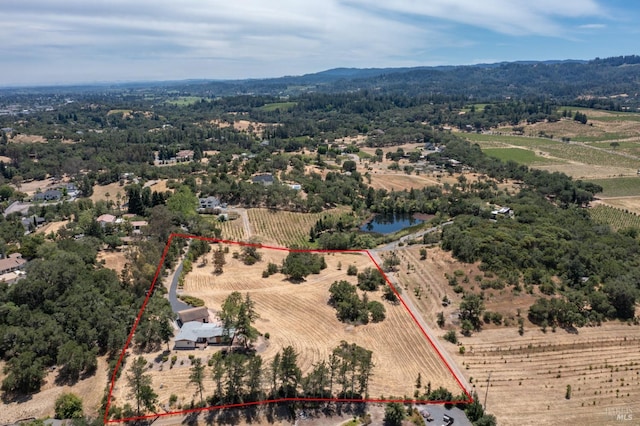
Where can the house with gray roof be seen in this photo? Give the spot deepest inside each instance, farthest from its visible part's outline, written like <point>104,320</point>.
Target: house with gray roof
<point>195,334</point>
<point>265,179</point>
<point>48,195</point>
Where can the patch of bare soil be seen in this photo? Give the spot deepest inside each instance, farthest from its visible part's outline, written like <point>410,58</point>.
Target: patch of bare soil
<point>34,186</point>
<point>23,138</point>
<point>52,227</point>
<point>588,171</point>
<point>109,193</point>
<point>594,127</point>
<point>115,260</point>
<point>626,203</point>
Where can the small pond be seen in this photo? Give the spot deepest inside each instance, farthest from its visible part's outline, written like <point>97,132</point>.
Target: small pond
<point>387,224</point>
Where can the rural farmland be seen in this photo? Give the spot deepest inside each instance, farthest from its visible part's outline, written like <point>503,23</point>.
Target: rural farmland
<point>299,315</point>
<point>530,372</point>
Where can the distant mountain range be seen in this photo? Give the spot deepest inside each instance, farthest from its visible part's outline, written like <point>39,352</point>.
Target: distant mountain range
<point>563,79</point>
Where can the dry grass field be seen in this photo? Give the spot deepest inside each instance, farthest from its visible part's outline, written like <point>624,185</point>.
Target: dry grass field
<point>530,373</point>
<point>34,186</point>
<point>115,260</point>
<point>41,404</point>
<point>23,138</point>
<point>52,227</point>
<point>100,192</point>
<point>299,315</point>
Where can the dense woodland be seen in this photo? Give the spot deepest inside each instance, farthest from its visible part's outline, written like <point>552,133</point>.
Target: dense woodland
<point>69,309</point>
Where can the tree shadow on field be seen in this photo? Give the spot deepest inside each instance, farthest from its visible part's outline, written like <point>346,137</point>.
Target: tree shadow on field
<point>223,417</point>
<point>191,419</point>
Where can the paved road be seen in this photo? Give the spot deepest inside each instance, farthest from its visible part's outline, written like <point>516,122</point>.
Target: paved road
<point>409,303</point>
<point>394,245</point>
<point>176,304</point>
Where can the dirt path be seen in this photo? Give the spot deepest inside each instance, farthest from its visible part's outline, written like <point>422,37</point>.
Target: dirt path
<point>248,231</point>
<point>417,316</point>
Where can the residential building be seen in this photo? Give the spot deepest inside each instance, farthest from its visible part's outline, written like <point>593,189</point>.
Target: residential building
<point>265,179</point>
<point>209,202</point>
<point>194,334</point>
<point>137,225</point>
<point>200,314</point>
<point>48,195</point>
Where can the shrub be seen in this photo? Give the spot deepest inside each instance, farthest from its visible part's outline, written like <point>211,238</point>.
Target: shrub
<point>451,336</point>
<point>173,399</point>
<point>68,406</point>
<point>352,270</point>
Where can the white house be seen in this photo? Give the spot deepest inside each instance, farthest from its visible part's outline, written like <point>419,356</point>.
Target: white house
<point>195,333</point>
<point>210,202</point>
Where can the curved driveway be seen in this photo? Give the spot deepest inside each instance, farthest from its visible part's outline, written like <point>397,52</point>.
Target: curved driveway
<point>176,304</point>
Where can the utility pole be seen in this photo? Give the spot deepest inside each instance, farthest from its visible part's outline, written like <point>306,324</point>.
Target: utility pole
<point>487,391</point>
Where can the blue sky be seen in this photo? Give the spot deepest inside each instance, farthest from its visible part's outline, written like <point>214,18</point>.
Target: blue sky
<point>81,41</point>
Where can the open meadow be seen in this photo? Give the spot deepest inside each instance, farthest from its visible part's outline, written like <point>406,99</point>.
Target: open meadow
<point>299,315</point>
<point>529,373</point>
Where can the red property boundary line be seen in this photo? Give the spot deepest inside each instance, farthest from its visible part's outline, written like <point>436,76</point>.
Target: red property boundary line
<point>106,420</point>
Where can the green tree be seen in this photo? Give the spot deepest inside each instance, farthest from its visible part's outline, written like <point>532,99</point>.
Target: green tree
<point>228,315</point>
<point>254,378</point>
<point>298,264</point>
<point>247,315</point>
<point>155,327</point>
<point>25,373</point>
<point>68,406</point>
<point>237,317</point>
<point>140,384</point>
<point>289,372</point>
<point>250,255</point>
<point>622,296</point>
<point>196,376</point>
<point>377,311</point>
<point>394,414</point>
<point>183,202</point>
<point>370,279</point>
<point>235,365</point>
<point>471,309</point>
<point>218,261</point>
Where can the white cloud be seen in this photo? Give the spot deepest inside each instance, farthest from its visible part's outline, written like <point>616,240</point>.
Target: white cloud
<point>121,39</point>
<point>513,17</point>
<point>592,26</point>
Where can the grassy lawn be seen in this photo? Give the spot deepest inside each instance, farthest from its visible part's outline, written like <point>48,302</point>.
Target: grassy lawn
<point>478,107</point>
<point>587,155</point>
<point>510,140</point>
<point>619,187</point>
<point>521,156</point>
<point>119,111</point>
<point>184,100</point>
<point>602,138</point>
<point>278,105</point>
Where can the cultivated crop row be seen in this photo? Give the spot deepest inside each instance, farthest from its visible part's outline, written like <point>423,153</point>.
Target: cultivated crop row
<point>286,229</point>
<point>616,218</point>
